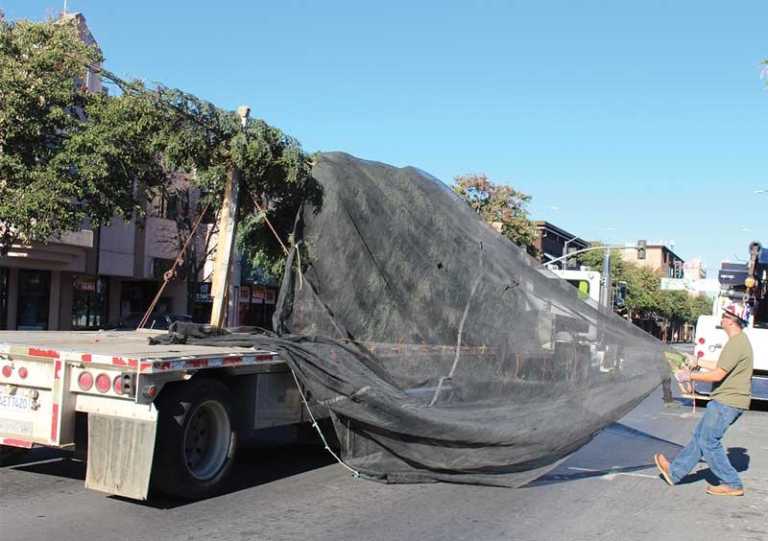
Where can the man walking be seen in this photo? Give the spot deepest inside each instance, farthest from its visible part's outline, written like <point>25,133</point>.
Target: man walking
<point>731,377</point>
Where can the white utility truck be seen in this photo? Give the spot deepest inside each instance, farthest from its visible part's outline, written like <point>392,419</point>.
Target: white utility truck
<point>744,287</point>
<point>586,281</point>
<point>170,414</point>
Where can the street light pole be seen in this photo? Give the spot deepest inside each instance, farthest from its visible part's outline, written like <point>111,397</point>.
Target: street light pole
<point>605,293</point>
<point>565,252</point>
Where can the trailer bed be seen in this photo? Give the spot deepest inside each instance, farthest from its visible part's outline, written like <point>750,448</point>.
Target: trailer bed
<point>127,349</point>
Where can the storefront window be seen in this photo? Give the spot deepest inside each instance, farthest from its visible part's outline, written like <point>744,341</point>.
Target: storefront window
<point>89,302</point>
<point>34,300</point>
<point>3,298</point>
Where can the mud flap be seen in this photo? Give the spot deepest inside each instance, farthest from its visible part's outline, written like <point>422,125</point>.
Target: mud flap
<point>120,454</point>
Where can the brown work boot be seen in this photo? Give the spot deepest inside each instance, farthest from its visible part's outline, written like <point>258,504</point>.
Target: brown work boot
<point>663,465</point>
<point>724,490</point>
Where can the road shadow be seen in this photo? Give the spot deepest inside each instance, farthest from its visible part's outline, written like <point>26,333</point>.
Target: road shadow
<point>759,405</point>
<point>739,459</point>
<point>253,466</point>
<point>617,449</point>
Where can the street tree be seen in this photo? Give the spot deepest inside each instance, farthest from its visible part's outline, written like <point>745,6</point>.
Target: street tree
<point>699,305</point>
<point>69,157</point>
<point>500,206</point>
<point>594,260</point>
<point>66,155</point>
<point>643,285</point>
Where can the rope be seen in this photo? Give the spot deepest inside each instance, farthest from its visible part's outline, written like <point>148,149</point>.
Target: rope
<point>461,330</point>
<point>356,474</point>
<point>171,273</point>
<point>264,213</point>
<point>279,240</point>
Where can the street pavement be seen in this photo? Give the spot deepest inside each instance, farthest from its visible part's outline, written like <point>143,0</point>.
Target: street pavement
<point>607,490</point>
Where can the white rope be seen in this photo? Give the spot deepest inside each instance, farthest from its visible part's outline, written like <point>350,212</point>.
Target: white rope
<point>456,357</point>
<point>355,473</point>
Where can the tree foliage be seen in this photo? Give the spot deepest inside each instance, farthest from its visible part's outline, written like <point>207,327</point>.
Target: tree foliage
<point>500,206</point>
<point>644,294</point>
<point>594,260</point>
<point>57,167</point>
<point>68,156</point>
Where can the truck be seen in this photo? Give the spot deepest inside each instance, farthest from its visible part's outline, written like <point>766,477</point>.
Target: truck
<point>167,418</point>
<point>744,288</point>
<point>586,281</point>
<point>590,286</point>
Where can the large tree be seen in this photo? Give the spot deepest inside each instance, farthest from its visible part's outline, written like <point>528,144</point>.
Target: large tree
<point>68,156</point>
<point>501,206</point>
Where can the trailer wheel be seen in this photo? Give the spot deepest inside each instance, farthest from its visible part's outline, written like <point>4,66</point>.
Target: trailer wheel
<point>196,443</point>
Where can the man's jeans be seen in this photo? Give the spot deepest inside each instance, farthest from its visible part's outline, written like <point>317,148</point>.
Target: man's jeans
<point>707,443</point>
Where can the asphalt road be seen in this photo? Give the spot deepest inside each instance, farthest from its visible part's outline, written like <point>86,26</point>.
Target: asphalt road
<point>607,490</point>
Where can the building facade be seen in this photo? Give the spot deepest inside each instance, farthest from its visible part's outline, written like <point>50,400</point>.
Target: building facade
<point>658,257</point>
<point>553,242</point>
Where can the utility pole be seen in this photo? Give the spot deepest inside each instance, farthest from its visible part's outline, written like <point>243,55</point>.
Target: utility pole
<point>605,293</point>
<point>225,241</point>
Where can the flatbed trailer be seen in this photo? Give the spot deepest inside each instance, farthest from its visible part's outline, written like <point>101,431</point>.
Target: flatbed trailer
<point>166,416</point>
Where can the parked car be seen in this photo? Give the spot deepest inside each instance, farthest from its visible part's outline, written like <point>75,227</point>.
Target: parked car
<point>155,321</point>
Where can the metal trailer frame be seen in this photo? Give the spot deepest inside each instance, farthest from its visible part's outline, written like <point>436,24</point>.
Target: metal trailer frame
<point>40,395</point>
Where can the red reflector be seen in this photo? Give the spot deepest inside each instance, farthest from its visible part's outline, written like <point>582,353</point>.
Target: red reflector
<point>103,383</point>
<point>117,384</point>
<point>7,371</point>
<point>85,381</point>
<point>23,372</point>
<point>700,353</point>
<point>701,340</point>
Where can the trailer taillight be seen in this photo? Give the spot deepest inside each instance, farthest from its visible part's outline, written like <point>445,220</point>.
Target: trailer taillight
<point>150,391</point>
<point>7,371</point>
<point>85,381</point>
<point>700,353</point>
<point>103,383</point>
<point>117,384</point>
<point>701,340</point>
<point>23,373</point>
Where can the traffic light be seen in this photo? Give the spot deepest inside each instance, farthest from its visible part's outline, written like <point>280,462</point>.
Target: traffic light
<point>641,245</point>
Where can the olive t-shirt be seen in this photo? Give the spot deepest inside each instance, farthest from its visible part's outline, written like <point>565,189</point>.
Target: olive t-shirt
<point>736,359</point>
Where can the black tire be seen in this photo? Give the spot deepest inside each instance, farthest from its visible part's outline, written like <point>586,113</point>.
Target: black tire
<point>196,443</point>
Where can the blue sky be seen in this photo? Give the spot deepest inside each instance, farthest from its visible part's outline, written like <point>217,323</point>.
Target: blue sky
<point>624,120</point>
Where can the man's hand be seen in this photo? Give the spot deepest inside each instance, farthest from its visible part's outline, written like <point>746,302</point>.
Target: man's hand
<point>683,376</point>
<point>691,361</point>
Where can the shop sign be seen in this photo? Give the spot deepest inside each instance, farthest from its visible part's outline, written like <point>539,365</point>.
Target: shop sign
<point>203,293</point>
<point>245,294</point>
<point>258,295</point>
<point>84,284</point>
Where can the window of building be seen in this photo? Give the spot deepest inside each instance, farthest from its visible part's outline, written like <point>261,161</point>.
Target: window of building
<point>34,300</point>
<point>3,298</point>
<point>168,204</point>
<point>89,302</point>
